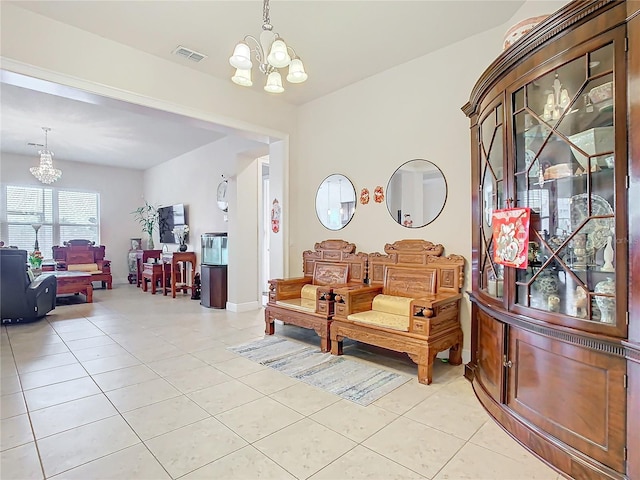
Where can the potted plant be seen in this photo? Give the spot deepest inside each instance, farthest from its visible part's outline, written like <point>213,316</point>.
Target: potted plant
<point>147,217</point>
<point>180,233</point>
<point>35,260</point>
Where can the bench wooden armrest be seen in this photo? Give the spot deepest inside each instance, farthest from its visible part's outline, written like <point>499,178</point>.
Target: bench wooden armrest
<point>354,299</point>
<point>287,288</point>
<point>104,266</point>
<point>428,306</point>
<point>429,314</point>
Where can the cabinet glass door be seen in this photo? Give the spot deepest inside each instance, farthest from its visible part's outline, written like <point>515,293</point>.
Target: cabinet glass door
<point>564,136</point>
<point>491,196</point>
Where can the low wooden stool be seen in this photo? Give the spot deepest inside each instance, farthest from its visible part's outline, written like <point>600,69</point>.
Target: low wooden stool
<point>152,272</point>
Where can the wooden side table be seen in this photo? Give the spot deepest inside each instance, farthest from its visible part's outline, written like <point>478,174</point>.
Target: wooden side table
<point>180,270</point>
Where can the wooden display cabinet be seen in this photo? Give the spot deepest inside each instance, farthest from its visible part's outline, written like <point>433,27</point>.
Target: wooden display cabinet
<point>556,345</point>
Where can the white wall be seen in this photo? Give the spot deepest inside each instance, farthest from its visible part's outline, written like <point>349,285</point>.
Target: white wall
<point>120,191</point>
<point>192,179</point>
<point>279,190</point>
<point>43,48</point>
<point>243,235</point>
<point>367,130</point>
<point>364,131</point>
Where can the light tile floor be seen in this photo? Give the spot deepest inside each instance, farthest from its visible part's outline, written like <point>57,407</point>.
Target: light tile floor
<point>141,386</point>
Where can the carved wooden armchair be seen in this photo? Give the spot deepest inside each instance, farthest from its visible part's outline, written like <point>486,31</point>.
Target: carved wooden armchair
<point>412,305</point>
<point>84,256</point>
<point>307,301</point>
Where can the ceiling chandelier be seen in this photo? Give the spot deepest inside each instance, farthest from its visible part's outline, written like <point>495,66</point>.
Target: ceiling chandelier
<point>45,171</point>
<point>271,53</point>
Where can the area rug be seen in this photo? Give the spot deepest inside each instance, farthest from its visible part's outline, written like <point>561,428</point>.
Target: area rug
<point>342,376</point>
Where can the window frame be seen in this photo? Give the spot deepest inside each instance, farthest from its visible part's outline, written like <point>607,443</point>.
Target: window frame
<point>55,224</point>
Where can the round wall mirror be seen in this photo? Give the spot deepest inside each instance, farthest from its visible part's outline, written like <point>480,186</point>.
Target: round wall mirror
<point>335,202</point>
<point>416,193</point>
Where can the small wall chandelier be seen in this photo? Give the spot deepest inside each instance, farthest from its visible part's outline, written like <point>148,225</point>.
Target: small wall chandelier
<point>271,53</point>
<point>45,171</point>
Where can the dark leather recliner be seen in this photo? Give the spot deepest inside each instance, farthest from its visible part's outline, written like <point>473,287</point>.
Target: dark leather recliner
<point>23,300</point>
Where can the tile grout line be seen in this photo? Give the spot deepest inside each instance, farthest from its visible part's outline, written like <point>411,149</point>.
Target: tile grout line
<point>115,408</point>
<point>26,406</point>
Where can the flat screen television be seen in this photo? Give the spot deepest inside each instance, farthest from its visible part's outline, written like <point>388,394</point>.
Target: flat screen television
<point>168,218</point>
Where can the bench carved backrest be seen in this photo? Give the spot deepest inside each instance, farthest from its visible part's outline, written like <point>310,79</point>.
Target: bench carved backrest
<point>413,268</point>
<point>413,282</point>
<point>327,255</point>
<point>78,253</point>
<point>407,253</point>
<point>450,272</point>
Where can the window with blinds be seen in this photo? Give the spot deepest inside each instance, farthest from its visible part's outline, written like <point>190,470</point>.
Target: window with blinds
<point>63,215</point>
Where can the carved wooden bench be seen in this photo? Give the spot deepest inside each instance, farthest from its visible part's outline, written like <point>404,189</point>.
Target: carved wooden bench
<point>412,305</point>
<point>308,301</point>
<point>84,256</point>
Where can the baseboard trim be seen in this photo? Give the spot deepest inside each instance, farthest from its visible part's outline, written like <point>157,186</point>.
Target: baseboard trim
<point>243,307</point>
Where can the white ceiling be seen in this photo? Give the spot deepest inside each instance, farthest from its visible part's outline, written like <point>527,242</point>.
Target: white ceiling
<point>102,134</point>
<point>340,42</point>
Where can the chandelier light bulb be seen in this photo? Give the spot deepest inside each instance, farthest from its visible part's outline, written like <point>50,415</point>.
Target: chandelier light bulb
<point>274,83</point>
<point>296,72</point>
<point>279,57</point>
<point>271,53</point>
<point>241,57</point>
<point>242,77</point>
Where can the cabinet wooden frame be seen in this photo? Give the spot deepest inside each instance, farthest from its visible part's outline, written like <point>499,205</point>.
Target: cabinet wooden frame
<point>514,343</point>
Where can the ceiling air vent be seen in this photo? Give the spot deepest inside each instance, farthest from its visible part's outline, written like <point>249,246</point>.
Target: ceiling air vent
<point>189,54</point>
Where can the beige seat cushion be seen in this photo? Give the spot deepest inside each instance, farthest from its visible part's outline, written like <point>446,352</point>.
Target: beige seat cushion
<point>309,292</point>
<point>302,304</point>
<point>91,268</point>
<point>381,319</point>
<point>387,311</point>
